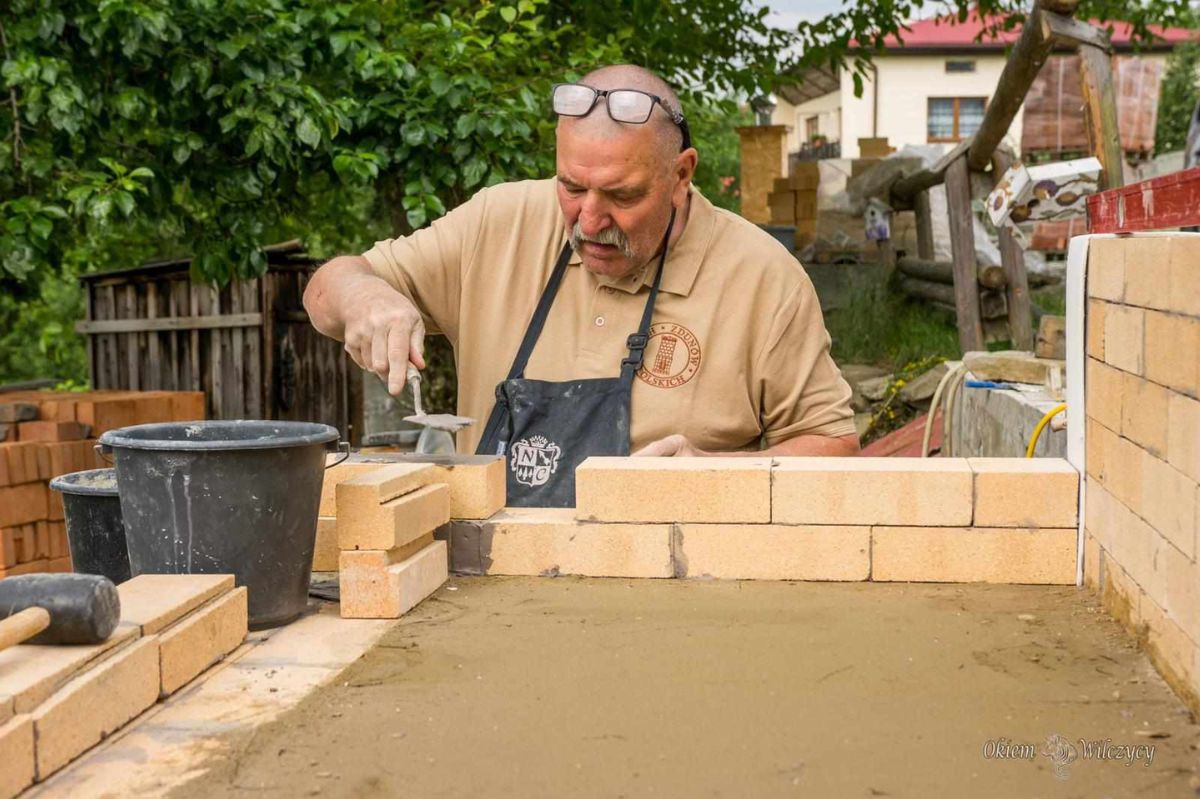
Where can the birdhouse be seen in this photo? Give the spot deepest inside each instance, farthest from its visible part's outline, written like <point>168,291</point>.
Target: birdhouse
<point>878,220</point>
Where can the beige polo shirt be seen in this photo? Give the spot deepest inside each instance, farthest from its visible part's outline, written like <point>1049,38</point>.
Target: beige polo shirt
<point>738,349</point>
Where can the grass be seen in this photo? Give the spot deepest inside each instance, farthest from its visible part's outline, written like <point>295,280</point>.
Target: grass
<point>885,329</point>
<point>1050,299</point>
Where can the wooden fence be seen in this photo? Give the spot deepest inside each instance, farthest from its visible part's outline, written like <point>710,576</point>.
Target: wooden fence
<point>248,345</point>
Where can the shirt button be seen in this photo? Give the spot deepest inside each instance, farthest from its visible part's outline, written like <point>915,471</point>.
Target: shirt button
<point>599,321</point>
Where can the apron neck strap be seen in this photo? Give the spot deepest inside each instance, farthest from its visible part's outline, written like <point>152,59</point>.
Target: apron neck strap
<point>534,331</point>
<point>637,342</point>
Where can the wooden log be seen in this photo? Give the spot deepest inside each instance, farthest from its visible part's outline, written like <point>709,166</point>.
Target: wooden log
<point>990,276</point>
<point>1025,61</point>
<point>962,250</point>
<point>1067,31</point>
<point>1012,258</point>
<point>992,304</point>
<point>907,187</point>
<point>1100,114</point>
<point>924,225</point>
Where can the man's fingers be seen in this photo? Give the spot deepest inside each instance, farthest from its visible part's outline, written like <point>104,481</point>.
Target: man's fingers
<point>355,355</point>
<point>397,356</point>
<point>416,345</point>
<point>379,352</point>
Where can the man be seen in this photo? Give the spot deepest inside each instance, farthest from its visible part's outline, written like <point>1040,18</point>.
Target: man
<point>611,308</point>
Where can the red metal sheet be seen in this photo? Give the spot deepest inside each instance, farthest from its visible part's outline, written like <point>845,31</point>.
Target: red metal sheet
<point>906,442</point>
<point>1168,201</point>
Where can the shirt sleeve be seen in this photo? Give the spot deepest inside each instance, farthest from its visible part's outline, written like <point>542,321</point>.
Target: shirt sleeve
<point>802,389</point>
<point>427,266</point>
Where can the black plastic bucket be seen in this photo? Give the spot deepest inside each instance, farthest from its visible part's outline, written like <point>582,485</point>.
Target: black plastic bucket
<point>94,527</point>
<point>228,497</point>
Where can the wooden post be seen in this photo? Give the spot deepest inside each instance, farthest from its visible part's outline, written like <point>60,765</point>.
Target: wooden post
<point>962,249</point>
<point>1012,258</point>
<point>93,350</point>
<point>887,256</point>
<point>1024,62</point>
<point>1100,114</point>
<point>924,226</point>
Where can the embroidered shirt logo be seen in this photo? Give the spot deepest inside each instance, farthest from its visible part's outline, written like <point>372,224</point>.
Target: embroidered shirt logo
<point>672,356</point>
<point>534,460</point>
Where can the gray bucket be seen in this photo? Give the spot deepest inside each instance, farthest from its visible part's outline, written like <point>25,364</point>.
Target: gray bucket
<point>95,531</point>
<point>225,497</point>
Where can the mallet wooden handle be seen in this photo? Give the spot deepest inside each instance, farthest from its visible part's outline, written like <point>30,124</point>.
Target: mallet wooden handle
<point>23,626</point>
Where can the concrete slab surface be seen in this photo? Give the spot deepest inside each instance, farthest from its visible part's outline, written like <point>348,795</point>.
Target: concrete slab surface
<point>575,687</point>
<point>173,741</point>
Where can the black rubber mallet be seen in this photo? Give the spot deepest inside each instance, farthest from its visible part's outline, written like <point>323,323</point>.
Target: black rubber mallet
<point>57,609</point>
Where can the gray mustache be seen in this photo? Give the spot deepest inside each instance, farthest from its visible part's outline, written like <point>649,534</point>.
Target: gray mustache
<point>610,235</point>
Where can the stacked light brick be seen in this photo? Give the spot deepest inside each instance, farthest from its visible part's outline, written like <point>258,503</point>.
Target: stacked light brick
<point>58,702</point>
<point>1143,444</point>
<point>381,525</point>
<point>887,519</point>
<point>46,434</point>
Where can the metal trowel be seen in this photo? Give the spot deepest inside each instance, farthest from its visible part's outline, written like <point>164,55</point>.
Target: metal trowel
<point>430,442</point>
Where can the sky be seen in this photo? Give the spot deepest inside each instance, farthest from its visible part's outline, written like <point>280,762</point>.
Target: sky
<point>786,13</point>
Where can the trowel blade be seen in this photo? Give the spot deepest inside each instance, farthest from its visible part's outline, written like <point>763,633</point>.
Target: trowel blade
<point>441,421</point>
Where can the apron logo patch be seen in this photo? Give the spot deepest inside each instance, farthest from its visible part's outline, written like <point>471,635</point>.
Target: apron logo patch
<point>534,460</point>
<point>672,356</point>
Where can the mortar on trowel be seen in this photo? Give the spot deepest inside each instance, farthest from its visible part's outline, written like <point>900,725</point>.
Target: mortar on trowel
<point>437,429</point>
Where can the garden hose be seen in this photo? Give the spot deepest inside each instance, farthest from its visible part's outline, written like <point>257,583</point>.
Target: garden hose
<point>1041,425</point>
<point>933,407</point>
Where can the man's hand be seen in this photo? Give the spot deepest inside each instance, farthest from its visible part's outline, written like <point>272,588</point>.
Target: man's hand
<point>381,329</point>
<point>676,446</point>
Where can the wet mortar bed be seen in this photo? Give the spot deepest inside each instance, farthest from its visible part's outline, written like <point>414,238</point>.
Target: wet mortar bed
<point>555,687</point>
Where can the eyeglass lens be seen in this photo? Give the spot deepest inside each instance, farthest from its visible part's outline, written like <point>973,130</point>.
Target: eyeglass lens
<point>624,105</point>
<point>629,106</point>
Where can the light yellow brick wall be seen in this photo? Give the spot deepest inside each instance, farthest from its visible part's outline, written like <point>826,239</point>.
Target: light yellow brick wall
<point>1143,445</point>
<point>764,158</point>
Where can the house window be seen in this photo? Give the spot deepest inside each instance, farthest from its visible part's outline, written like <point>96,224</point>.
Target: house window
<point>960,66</point>
<point>811,128</point>
<point>952,119</point>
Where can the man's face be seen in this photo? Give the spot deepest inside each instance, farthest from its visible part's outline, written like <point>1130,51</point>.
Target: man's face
<point>616,190</point>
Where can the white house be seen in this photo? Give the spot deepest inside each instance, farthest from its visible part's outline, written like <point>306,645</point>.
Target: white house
<point>932,87</point>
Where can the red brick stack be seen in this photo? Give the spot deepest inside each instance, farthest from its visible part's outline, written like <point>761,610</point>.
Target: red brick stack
<point>46,434</point>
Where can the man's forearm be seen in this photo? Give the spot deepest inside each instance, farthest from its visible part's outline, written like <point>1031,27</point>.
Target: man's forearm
<point>828,446</point>
<point>825,446</point>
<point>812,445</point>
<point>322,296</point>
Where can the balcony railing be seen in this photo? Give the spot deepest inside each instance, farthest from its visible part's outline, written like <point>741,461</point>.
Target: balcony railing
<point>815,152</point>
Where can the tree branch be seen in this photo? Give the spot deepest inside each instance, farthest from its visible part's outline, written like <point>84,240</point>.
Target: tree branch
<point>12,98</point>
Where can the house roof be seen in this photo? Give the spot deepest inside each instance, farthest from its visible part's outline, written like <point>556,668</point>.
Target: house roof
<point>947,33</point>
<point>810,84</point>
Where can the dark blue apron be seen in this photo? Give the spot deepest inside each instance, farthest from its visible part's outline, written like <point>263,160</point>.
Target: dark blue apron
<point>546,429</point>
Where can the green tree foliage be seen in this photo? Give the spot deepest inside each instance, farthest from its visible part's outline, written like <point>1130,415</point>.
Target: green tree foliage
<point>131,129</point>
<point>139,128</point>
<point>1177,98</point>
<point>215,120</point>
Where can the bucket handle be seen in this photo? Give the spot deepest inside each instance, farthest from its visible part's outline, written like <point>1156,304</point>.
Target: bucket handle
<point>344,448</point>
<point>104,452</point>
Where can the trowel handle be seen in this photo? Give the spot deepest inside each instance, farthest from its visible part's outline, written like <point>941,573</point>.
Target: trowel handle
<point>413,378</point>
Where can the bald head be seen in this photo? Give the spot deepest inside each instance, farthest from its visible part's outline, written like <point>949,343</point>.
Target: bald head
<point>661,128</point>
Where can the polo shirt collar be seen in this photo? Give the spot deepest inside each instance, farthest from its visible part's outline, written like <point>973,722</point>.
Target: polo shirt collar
<point>683,258</point>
